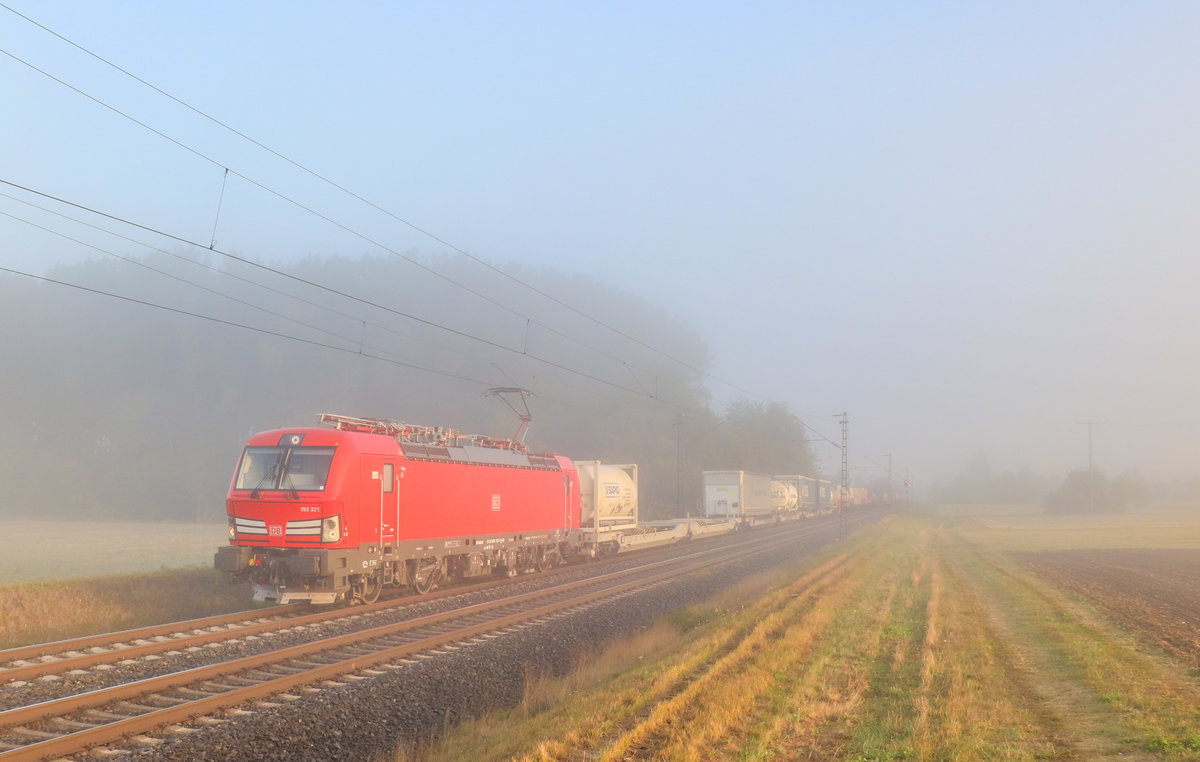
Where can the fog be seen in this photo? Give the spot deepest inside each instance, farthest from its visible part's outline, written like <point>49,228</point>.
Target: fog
<point>141,408</point>
<point>969,228</point>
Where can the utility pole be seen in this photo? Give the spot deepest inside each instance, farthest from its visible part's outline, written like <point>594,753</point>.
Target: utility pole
<point>889,457</point>
<point>1091,472</point>
<point>845,488</point>
<point>678,464</point>
<point>845,460</point>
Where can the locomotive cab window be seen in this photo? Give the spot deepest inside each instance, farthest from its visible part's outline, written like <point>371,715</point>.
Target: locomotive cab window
<point>284,468</point>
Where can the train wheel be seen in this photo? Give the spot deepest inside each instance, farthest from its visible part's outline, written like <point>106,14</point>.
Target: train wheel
<point>368,590</point>
<point>426,579</point>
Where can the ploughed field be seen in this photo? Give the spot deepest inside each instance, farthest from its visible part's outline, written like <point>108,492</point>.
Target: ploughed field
<point>1153,592</point>
<point>941,635</point>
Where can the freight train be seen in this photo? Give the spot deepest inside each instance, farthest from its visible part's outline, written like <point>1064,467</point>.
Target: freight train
<point>338,512</point>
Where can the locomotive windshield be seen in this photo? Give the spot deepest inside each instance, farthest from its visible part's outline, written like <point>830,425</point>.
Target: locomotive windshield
<point>284,468</point>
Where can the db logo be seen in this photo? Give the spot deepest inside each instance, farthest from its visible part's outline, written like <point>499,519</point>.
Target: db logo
<point>276,530</point>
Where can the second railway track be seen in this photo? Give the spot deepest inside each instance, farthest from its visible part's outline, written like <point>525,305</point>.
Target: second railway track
<point>72,723</point>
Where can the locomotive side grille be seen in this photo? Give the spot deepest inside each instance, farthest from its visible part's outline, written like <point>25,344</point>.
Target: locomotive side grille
<point>425,451</point>
<point>304,528</point>
<point>250,526</point>
<point>474,454</point>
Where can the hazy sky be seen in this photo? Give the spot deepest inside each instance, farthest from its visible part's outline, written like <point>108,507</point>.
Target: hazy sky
<point>971,226</point>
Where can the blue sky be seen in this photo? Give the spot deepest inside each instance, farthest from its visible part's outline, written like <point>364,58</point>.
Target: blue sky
<point>970,226</point>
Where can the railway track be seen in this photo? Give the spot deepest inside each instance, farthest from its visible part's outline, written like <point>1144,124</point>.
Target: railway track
<point>26,663</point>
<point>73,723</point>
<point>34,661</point>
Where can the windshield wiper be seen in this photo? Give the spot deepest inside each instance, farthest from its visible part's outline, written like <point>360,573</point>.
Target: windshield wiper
<point>291,485</point>
<point>278,468</point>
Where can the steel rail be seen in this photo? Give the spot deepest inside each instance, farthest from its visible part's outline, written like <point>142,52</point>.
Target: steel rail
<point>267,620</point>
<point>278,617</point>
<point>39,650</point>
<point>71,742</point>
<point>82,661</point>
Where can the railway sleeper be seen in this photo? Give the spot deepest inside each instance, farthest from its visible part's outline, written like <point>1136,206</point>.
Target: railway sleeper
<point>294,666</point>
<point>194,692</point>
<point>264,674</point>
<point>68,724</point>
<point>137,709</point>
<point>32,733</point>
<point>145,740</point>
<point>104,716</point>
<point>237,681</point>
<point>222,687</point>
<point>166,701</point>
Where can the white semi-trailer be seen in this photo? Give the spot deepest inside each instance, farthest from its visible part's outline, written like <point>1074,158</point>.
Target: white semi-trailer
<point>739,494</point>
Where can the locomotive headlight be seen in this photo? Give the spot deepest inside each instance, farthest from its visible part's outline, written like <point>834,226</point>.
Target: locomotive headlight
<point>232,529</point>
<point>331,529</point>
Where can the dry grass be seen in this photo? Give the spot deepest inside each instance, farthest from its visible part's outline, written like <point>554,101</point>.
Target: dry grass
<point>921,639</point>
<point>40,612</point>
<point>67,579</point>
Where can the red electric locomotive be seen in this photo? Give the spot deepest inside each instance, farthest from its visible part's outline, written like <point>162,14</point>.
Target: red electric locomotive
<point>326,514</point>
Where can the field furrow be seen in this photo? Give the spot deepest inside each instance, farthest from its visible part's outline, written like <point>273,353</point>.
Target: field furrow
<point>1109,699</point>
<point>704,719</point>
<point>925,639</point>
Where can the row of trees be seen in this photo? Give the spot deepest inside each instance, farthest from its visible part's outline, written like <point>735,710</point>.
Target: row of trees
<point>1080,491</point>
<point>1085,491</point>
<point>137,407</point>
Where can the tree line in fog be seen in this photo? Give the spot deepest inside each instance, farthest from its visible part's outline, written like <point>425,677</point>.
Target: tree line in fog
<point>137,407</point>
<point>1079,491</point>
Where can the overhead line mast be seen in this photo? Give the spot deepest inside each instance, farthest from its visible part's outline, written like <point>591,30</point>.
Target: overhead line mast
<point>845,459</point>
<point>845,488</point>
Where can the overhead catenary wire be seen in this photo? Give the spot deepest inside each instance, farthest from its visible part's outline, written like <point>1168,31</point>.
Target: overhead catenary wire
<point>226,170</point>
<point>235,324</point>
<point>379,353</point>
<point>378,207</point>
<point>357,352</point>
<point>308,209</point>
<point>345,295</point>
<point>206,289</point>
<point>223,273</point>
